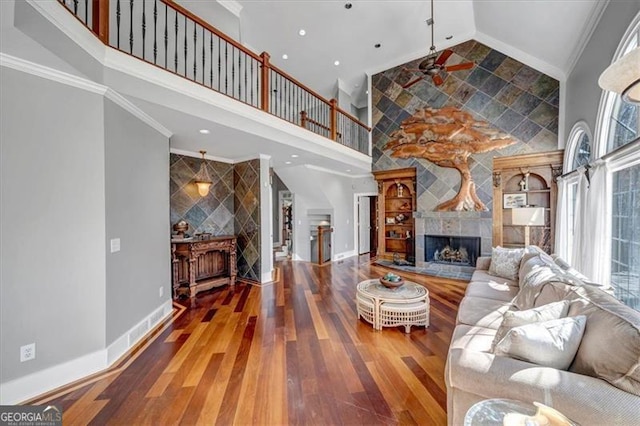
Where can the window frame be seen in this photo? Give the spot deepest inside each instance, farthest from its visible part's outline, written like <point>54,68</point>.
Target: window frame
<point>610,100</point>
<point>575,137</point>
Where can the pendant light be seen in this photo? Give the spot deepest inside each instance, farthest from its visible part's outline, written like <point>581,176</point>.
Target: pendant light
<point>203,180</point>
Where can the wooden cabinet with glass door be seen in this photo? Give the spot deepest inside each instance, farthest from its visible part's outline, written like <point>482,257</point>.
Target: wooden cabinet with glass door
<point>396,204</point>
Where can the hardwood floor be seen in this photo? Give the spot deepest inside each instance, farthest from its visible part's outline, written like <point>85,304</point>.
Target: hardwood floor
<point>288,353</point>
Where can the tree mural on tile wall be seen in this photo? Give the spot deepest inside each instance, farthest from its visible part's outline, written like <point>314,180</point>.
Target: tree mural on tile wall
<point>447,137</point>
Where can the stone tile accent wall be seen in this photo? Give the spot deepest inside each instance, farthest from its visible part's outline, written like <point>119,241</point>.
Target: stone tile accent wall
<point>212,214</point>
<point>509,95</point>
<point>246,178</point>
<point>500,90</point>
<point>232,206</point>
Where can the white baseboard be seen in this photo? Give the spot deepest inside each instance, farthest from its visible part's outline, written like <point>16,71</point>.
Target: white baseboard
<point>344,255</point>
<point>27,387</point>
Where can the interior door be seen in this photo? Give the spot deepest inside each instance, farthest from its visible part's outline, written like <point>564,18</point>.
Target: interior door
<point>373,224</point>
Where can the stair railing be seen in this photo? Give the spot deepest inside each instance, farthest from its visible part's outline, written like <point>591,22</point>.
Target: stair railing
<point>167,35</point>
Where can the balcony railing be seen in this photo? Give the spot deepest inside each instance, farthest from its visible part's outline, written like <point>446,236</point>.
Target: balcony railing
<point>167,35</point>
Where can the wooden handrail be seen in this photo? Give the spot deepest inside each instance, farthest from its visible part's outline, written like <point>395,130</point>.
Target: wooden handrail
<point>352,118</point>
<point>208,26</point>
<point>100,27</point>
<point>301,85</point>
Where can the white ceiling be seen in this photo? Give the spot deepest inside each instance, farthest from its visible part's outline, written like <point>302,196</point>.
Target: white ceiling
<point>545,34</point>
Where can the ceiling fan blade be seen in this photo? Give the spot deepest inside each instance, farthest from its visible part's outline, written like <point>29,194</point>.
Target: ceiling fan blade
<point>444,56</point>
<point>437,80</point>
<point>412,82</point>
<point>460,67</point>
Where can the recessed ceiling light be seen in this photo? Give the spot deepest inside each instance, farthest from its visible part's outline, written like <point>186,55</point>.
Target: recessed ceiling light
<point>285,56</point>
<point>287,162</point>
<point>294,155</point>
<point>302,32</point>
<point>377,45</point>
<point>348,170</point>
<point>204,131</point>
<point>348,6</point>
<point>336,63</point>
<point>367,92</point>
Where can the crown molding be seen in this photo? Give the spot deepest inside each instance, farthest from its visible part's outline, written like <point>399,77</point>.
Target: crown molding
<point>121,101</point>
<point>587,32</point>
<point>81,83</point>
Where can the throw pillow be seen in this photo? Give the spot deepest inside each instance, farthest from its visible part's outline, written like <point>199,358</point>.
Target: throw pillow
<point>512,319</point>
<point>505,263</point>
<point>549,344</point>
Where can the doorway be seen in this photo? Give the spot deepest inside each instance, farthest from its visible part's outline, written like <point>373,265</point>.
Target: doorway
<point>367,230</point>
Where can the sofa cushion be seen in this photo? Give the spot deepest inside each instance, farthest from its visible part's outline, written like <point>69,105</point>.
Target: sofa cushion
<point>564,265</point>
<point>482,312</point>
<point>550,343</point>
<point>511,319</point>
<point>485,276</point>
<point>610,347</point>
<point>531,264</point>
<point>491,290</point>
<point>505,262</point>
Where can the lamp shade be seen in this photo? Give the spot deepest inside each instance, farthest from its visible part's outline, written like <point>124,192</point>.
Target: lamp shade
<point>527,216</point>
<point>623,76</point>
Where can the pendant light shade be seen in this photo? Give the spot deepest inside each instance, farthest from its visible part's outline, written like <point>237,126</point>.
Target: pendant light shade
<point>623,77</point>
<point>203,180</point>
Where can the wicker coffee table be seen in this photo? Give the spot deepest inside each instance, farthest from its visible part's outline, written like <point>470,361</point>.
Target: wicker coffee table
<point>383,307</point>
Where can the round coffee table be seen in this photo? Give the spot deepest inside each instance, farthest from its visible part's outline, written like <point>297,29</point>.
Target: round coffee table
<point>380,306</point>
<point>491,412</point>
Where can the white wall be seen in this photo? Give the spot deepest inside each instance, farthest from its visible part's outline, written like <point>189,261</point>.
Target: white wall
<point>137,212</point>
<point>582,90</point>
<point>316,190</point>
<point>52,289</point>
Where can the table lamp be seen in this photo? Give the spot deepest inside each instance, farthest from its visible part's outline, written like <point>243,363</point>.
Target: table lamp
<point>527,216</point>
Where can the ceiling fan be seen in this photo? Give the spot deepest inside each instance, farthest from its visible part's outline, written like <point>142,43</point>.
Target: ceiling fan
<point>435,63</point>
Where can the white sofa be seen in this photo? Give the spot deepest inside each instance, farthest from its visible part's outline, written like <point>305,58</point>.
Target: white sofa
<point>602,385</point>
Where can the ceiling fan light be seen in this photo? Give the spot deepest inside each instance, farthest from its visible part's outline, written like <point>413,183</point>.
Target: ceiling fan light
<point>623,77</point>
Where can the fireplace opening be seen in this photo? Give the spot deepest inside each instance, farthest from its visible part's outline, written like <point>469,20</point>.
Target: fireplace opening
<point>451,249</point>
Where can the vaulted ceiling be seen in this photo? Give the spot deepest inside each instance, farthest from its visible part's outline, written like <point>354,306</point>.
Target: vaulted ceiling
<point>547,35</point>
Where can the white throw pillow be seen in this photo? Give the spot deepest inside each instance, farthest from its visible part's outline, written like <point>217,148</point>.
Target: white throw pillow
<point>505,263</point>
<point>550,344</point>
<point>512,319</point>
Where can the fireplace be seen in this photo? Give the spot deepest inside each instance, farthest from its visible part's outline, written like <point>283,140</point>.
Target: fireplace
<point>451,250</point>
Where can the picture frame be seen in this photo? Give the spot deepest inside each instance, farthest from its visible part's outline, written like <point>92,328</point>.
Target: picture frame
<point>510,201</point>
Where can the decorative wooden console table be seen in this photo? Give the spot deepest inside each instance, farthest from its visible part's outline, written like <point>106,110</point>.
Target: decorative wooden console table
<point>201,264</point>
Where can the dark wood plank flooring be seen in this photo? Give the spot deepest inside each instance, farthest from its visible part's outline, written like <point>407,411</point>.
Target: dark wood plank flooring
<point>289,353</point>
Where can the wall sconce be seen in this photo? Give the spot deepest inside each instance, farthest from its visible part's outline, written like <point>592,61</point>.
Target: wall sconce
<point>623,77</point>
<point>527,216</point>
<point>203,180</point>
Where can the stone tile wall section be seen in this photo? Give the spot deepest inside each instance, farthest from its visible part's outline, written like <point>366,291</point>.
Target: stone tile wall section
<point>211,214</point>
<point>246,178</point>
<point>509,95</point>
<point>232,206</point>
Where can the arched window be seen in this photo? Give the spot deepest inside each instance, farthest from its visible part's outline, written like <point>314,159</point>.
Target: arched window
<point>619,121</point>
<point>578,149</point>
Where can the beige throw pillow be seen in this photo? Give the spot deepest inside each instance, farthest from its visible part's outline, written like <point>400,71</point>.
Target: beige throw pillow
<point>549,344</point>
<point>505,263</point>
<point>543,313</point>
